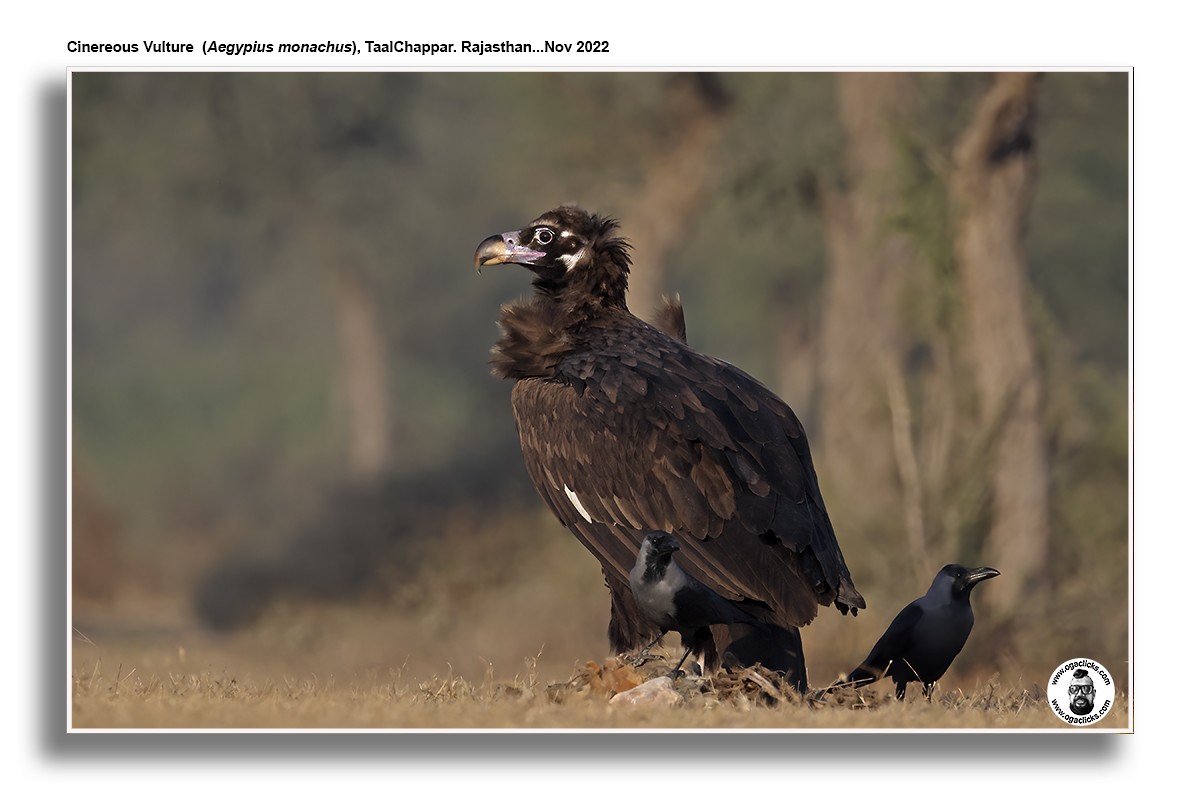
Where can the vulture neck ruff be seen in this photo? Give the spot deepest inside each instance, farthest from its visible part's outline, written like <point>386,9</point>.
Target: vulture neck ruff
<point>536,333</point>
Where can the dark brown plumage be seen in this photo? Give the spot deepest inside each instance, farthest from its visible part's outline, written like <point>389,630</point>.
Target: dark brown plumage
<point>669,318</point>
<point>625,429</point>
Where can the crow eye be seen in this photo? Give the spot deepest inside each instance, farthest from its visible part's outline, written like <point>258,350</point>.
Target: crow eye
<point>543,236</point>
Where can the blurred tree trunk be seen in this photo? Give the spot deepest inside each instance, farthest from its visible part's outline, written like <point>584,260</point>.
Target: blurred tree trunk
<point>861,340</point>
<point>675,183</point>
<point>95,530</point>
<point>362,375</point>
<point>991,186</point>
<point>795,348</point>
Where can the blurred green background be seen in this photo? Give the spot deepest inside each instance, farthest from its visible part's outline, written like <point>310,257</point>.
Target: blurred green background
<point>281,399</point>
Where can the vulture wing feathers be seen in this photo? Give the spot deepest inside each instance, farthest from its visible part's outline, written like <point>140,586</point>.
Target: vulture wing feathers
<point>651,435</point>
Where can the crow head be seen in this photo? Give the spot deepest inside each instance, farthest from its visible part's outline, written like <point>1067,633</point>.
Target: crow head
<point>571,253</point>
<point>655,556</point>
<point>659,546</point>
<point>964,579</point>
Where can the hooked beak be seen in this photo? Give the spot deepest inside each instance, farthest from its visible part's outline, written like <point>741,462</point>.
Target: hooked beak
<point>504,248</point>
<point>981,574</point>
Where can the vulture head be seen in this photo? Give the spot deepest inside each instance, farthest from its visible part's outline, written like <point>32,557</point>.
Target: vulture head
<point>570,251</point>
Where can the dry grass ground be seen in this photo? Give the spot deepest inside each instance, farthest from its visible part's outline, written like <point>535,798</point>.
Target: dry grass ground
<point>494,630</point>
<point>147,687</point>
<point>206,700</point>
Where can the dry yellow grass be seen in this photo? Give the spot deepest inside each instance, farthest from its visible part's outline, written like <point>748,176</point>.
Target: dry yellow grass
<point>439,653</point>
<point>121,698</point>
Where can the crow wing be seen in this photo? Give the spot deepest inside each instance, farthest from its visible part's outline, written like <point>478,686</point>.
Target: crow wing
<point>891,648</point>
<point>638,432</point>
<point>696,606</point>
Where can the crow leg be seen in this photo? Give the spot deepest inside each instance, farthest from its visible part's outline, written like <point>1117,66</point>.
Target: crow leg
<point>686,653</point>
<point>644,656</point>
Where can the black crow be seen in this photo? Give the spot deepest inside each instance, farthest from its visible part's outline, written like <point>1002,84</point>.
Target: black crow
<point>625,429</point>
<point>926,636</point>
<point>675,601</point>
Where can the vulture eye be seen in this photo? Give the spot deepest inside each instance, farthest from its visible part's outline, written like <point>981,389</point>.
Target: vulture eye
<point>543,236</point>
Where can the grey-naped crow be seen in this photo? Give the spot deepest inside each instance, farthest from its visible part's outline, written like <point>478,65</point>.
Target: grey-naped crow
<point>675,601</point>
<point>927,635</point>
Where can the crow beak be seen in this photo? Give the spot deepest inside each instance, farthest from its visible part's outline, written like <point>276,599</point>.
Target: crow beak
<point>670,543</point>
<point>981,574</point>
<point>504,248</point>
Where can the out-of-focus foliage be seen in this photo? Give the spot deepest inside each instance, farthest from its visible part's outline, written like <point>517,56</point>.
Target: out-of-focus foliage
<point>211,213</point>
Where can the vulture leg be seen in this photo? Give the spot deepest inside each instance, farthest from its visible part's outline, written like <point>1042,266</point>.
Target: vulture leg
<point>628,628</point>
<point>775,647</point>
<point>706,652</point>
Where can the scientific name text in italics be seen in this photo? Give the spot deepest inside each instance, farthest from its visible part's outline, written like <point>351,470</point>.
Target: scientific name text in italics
<point>216,47</point>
